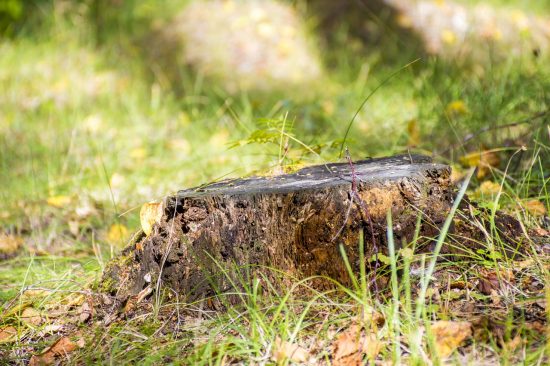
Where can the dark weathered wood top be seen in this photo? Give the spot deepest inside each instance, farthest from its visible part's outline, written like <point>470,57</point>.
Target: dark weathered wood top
<point>320,176</point>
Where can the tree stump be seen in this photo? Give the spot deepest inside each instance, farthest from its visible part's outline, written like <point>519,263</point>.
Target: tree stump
<point>294,223</point>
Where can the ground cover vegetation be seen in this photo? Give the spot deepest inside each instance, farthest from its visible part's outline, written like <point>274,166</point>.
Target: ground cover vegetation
<point>93,123</point>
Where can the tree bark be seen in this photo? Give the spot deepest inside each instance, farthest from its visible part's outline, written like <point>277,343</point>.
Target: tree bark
<point>294,223</point>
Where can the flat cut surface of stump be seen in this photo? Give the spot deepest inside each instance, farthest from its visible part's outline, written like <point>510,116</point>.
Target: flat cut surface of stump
<point>294,223</point>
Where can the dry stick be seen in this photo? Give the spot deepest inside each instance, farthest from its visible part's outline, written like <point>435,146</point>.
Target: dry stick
<point>472,135</point>
<point>354,196</point>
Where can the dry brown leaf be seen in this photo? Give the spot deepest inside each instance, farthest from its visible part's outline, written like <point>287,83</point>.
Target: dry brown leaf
<point>514,343</point>
<point>353,345</point>
<point>31,316</point>
<point>535,208</point>
<point>491,280</point>
<point>85,312</point>
<point>9,244</point>
<point>283,350</point>
<point>449,335</point>
<point>541,232</point>
<point>60,349</point>
<point>149,215</point>
<point>7,334</point>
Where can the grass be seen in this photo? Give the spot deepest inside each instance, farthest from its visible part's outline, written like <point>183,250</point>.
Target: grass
<point>86,120</point>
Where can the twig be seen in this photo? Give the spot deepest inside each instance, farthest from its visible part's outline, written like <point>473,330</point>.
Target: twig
<point>365,215</point>
<point>473,135</point>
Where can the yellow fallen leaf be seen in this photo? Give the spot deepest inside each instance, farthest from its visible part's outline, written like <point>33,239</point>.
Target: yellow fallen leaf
<point>31,316</point>
<point>9,244</point>
<point>488,188</point>
<point>535,208</point>
<point>483,160</point>
<point>456,108</point>
<point>449,335</point>
<point>404,21</point>
<point>7,334</point>
<point>283,351</point>
<point>138,153</point>
<point>58,201</point>
<point>448,37</point>
<point>149,215</point>
<point>117,234</point>
<point>457,173</point>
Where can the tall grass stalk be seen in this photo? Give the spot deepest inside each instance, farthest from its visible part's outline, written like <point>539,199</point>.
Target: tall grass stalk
<point>440,240</point>
<point>395,292</point>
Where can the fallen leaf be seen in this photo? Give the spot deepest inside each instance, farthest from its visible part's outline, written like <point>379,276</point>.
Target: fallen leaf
<point>353,345</point>
<point>7,334</point>
<point>457,174</point>
<point>9,244</point>
<point>138,153</point>
<point>81,342</point>
<point>535,208</point>
<point>149,215</point>
<point>514,343</point>
<point>490,280</point>
<point>85,312</point>
<point>60,349</point>
<point>526,263</point>
<point>32,295</point>
<point>456,108</point>
<point>449,335</point>
<point>74,300</point>
<point>74,227</point>
<point>117,234</point>
<point>31,316</point>
<point>488,188</point>
<point>404,21</point>
<point>483,160</point>
<point>283,350</point>
<point>448,37</point>
<point>541,232</point>
<point>58,201</point>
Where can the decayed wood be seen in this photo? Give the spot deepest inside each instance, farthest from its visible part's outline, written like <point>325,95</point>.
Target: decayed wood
<point>294,222</point>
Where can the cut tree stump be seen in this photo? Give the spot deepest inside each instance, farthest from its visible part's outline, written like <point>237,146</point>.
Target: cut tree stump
<point>294,223</point>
